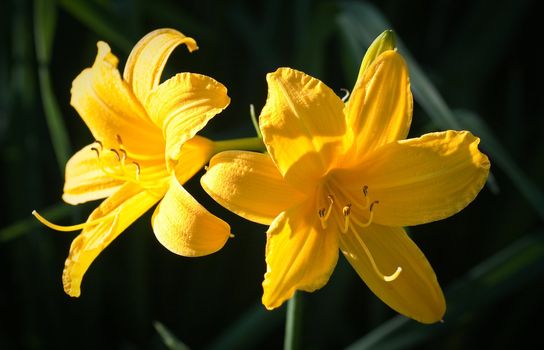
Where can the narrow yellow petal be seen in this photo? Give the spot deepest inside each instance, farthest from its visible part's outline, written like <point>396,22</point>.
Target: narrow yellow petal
<point>250,185</point>
<point>110,110</point>
<point>185,227</point>
<point>423,179</point>
<point>379,110</point>
<point>182,105</point>
<point>302,125</point>
<point>384,42</point>
<point>123,208</point>
<point>300,255</point>
<point>415,292</point>
<point>147,60</point>
<point>85,179</point>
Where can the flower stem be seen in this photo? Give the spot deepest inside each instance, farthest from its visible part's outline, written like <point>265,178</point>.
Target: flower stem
<point>293,322</point>
<point>246,144</point>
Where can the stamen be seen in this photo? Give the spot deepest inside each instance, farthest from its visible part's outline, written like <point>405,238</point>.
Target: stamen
<point>71,227</point>
<point>325,213</point>
<point>138,170</point>
<point>231,235</point>
<point>365,193</point>
<point>366,224</point>
<point>346,94</point>
<point>100,144</point>
<point>386,278</point>
<point>116,153</point>
<point>96,150</point>
<point>119,139</point>
<point>346,211</point>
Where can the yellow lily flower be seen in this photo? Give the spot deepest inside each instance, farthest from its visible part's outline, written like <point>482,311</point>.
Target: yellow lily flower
<point>145,150</point>
<point>343,176</point>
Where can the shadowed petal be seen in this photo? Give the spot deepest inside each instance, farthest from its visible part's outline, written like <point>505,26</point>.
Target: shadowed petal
<point>185,227</point>
<point>299,255</point>
<point>250,185</point>
<point>415,292</point>
<point>115,214</point>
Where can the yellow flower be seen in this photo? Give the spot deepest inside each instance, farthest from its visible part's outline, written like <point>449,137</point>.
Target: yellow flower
<point>344,177</point>
<point>145,149</point>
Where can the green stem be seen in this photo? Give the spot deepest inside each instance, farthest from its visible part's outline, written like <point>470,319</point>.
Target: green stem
<point>246,144</point>
<point>293,322</point>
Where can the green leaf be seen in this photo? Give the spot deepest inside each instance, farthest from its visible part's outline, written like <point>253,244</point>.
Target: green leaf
<point>487,283</point>
<point>168,338</point>
<point>44,32</point>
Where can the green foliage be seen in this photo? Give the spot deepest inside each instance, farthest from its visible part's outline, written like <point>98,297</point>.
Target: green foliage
<point>467,72</point>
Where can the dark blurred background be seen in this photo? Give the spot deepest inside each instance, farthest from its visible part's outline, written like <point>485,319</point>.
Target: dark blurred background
<point>473,66</point>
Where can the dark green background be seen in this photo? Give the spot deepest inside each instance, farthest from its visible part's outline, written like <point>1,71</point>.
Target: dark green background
<point>480,56</point>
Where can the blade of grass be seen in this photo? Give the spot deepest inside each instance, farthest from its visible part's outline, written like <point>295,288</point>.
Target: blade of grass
<point>98,21</point>
<point>484,285</point>
<point>360,23</point>
<point>168,338</point>
<point>44,31</point>
<point>22,227</point>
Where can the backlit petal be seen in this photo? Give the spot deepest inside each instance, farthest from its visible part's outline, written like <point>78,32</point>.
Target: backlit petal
<point>250,185</point>
<point>300,255</point>
<point>195,153</point>
<point>147,60</point>
<point>123,207</point>
<point>185,227</point>
<point>379,110</point>
<point>182,105</point>
<point>85,179</point>
<point>108,107</point>
<point>302,125</point>
<point>423,179</point>
<point>415,293</point>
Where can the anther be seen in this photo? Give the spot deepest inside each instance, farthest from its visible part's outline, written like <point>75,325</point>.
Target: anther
<point>123,154</point>
<point>100,144</point>
<point>119,139</point>
<point>346,211</point>
<point>116,153</point>
<point>346,94</point>
<point>325,213</point>
<point>96,150</point>
<point>137,170</point>
<point>365,193</point>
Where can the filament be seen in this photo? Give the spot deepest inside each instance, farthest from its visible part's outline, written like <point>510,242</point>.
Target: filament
<point>386,278</point>
<point>70,227</point>
<point>325,213</point>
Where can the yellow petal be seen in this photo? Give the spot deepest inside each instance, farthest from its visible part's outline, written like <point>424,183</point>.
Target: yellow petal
<point>182,106</point>
<point>108,107</point>
<point>302,125</point>
<point>300,255</point>
<point>379,110</point>
<point>195,153</point>
<point>85,179</point>
<point>185,227</point>
<point>147,60</point>
<point>123,208</point>
<point>250,185</point>
<point>423,179</point>
<point>415,292</point>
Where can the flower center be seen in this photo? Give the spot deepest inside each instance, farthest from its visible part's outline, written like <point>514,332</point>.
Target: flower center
<point>346,225</point>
